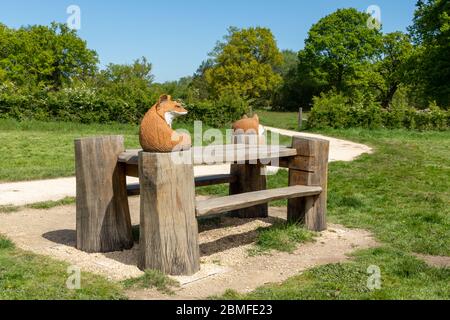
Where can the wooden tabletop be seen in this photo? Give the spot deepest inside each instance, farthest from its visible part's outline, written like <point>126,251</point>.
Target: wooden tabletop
<point>221,154</point>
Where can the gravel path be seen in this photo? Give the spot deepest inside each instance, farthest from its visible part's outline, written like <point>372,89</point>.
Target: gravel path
<point>27,192</point>
<point>225,262</point>
<point>340,150</point>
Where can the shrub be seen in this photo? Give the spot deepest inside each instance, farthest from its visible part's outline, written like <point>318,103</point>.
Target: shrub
<point>329,111</point>
<point>217,113</point>
<point>86,105</point>
<point>333,110</point>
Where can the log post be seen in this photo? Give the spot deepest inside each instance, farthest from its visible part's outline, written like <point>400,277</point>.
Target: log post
<point>249,177</point>
<point>102,212</point>
<point>168,230</point>
<point>300,118</point>
<point>310,211</point>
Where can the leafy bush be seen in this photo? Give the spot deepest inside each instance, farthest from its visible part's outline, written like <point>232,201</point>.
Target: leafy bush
<point>333,110</point>
<point>85,105</point>
<point>217,113</point>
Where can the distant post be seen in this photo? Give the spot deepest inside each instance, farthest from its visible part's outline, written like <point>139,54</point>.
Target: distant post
<point>300,118</point>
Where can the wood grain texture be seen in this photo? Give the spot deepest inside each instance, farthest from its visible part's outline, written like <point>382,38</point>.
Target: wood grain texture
<point>310,211</point>
<point>102,214</point>
<point>220,154</point>
<point>244,200</point>
<point>249,177</point>
<point>203,181</point>
<point>168,229</point>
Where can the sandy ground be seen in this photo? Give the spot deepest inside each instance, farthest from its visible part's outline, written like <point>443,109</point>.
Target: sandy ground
<point>225,262</point>
<point>340,150</point>
<point>27,192</point>
<point>435,261</point>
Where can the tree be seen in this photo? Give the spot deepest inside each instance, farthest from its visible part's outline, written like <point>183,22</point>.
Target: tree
<point>394,65</point>
<point>290,62</point>
<point>340,48</point>
<point>244,65</point>
<point>131,83</point>
<point>45,56</point>
<point>431,32</point>
<point>199,86</point>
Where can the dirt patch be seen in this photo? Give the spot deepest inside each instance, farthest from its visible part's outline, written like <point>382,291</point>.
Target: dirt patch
<point>435,261</point>
<point>224,250</point>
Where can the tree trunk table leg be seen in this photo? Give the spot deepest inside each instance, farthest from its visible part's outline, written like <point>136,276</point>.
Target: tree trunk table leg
<point>249,178</point>
<point>168,230</point>
<point>310,211</point>
<point>102,212</point>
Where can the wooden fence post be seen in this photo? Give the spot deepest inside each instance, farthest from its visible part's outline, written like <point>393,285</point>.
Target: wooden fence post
<point>310,210</point>
<point>102,212</point>
<point>300,118</point>
<point>168,231</point>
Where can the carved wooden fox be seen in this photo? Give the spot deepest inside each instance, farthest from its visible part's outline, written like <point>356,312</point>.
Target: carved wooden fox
<point>248,131</point>
<point>248,125</point>
<point>156,134</point>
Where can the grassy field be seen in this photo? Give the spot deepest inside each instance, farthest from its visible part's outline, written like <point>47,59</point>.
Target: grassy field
<point>401,193</point>
<point>25,275</point>
<point>284,120</point>
<point>39,150</point>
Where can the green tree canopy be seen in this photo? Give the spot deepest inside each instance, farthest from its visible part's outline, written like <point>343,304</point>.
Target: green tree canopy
<point>45,56</point>
<point>394,65</point>
<point>339,49</point>
<point>431,31</point>
<point>244,65</point>
<point>128,82</point>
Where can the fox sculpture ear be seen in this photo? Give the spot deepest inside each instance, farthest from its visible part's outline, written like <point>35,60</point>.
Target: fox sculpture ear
<point>244,116</point>
<point>255,116</point>
<point>164,98</point>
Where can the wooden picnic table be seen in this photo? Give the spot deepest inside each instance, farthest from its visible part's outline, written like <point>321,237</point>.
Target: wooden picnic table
<point>168,211</point>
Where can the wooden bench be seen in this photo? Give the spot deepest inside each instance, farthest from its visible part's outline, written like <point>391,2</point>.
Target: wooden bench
<point>250,199</point>
<point>168,211</point>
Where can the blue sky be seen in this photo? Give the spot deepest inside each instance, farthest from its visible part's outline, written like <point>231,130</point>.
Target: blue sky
<point>176,35</point>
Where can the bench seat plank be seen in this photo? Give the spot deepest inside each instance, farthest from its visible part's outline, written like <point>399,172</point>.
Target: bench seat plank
<point>249,199</point>
<point>220,154</point>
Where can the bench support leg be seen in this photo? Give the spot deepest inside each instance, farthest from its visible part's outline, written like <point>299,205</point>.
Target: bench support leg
<point>102,214</point>
<point>249,178</point>
<point>311,211</point>
<point>168,230</point>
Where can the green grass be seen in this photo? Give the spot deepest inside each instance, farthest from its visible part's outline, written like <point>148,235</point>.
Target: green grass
<point>152,279</point>
<point>5,243</point>
<point>9,209</point>
<point>281,237</point>
<point>51,204</point>
<point>39,205</point>
<point>40,150</point>
<point>401,193</point>
<point>24,275</point>
<point>283,120</point>
<point>401,277</point>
